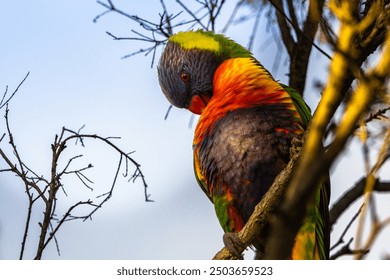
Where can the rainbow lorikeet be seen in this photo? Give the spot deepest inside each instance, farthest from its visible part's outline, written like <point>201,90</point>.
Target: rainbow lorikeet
<point>243,136</point>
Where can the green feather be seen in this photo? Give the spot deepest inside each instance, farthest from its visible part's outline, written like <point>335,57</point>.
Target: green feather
<point>221,209</point>
<point>302,108</point>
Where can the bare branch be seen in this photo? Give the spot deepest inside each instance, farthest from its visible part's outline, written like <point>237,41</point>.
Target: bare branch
<point>233,15</point>
<point>60,223</point>
<point>377,115</point>
<point>346,250</point>
<point>285,30</point>
<point>27,224</point>
<point>300,59</point>
<point>351,195</point>
<point>292,14</point>
<point>4,102</point>
<point>254,30</point>
<point>341,239</point>
<point>194,17</point>
<point>40,189</point>
<point>376,228</point>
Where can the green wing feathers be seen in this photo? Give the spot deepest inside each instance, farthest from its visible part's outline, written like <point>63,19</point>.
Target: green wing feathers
<point>301,106</point>
<point>312,241</point>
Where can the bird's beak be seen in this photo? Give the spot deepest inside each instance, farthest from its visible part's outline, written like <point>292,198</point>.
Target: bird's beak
<point>198,103</point>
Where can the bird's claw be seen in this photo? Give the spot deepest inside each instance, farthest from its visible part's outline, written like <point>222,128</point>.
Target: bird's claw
<point>296,145</point>
<point>233,243</point>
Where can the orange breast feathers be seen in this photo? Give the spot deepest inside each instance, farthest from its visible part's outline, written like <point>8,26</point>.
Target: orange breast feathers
<point>240,83</point>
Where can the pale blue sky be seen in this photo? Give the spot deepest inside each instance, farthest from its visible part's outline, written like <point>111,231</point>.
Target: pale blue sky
<point>77,77</point>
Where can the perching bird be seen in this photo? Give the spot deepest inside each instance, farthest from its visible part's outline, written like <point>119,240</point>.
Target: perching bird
<point>243,136</point>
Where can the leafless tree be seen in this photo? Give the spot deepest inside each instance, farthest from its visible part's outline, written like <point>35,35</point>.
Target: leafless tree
<point>45,191</point>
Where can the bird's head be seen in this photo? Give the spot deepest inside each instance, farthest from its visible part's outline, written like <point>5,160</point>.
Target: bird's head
<point>187,67</point>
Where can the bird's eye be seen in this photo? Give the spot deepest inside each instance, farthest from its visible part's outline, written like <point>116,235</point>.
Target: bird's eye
<point>185,76</point>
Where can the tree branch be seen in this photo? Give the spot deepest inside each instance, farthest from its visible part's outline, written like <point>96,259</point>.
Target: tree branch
<point>314,162</point>
<point>285,30</point>
<point>300,57</point>
<point>351,195</point>
<point>44,190</point>
<point>346,250</point>
<point>4,102</point>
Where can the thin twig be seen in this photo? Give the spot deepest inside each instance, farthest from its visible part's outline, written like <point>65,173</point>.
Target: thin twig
<point>5,103</point>
<point>341,239</point>
<point>346,250</point>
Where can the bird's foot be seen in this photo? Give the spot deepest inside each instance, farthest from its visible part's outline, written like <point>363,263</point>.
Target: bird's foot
<point>296,145</point>
<point>234,244</point>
